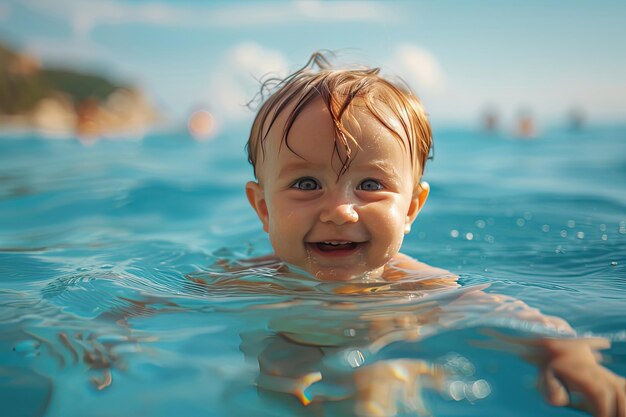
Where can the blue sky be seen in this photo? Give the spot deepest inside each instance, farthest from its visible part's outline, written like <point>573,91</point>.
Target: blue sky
<point>459,56</point>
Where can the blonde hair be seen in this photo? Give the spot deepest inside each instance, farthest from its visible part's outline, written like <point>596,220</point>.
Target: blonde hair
<point>340,89</point>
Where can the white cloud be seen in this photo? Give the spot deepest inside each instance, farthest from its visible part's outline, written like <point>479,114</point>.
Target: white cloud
<point>84,16</point>
<point>235,83</point>
<point>253,58</point>
<point>418,67</point>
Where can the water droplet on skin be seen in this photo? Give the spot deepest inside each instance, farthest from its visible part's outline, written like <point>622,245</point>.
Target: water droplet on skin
<point>545,228</point>
<point>454,233</point>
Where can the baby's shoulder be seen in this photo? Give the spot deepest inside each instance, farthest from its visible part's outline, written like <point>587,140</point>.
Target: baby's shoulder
<point>403,267</point>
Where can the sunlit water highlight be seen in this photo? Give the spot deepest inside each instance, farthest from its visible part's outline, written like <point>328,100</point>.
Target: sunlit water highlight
<point>121,292</point>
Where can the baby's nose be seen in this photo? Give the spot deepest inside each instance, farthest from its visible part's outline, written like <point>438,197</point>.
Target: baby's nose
<point>339,211</point>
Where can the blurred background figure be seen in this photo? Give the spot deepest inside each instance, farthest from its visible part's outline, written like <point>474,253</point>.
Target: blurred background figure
<point>202,125</point>
<point>490,120</point>
<point>576,119</point>
<point>525,127</point>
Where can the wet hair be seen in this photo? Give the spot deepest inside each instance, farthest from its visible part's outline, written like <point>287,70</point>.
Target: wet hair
<point>340,89</point>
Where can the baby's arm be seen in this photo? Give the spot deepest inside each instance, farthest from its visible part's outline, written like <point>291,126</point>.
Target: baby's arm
<point>572,375</point>
<point>570,369</point>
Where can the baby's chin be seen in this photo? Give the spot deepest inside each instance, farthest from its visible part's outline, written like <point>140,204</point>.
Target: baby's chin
<point>343,274</point>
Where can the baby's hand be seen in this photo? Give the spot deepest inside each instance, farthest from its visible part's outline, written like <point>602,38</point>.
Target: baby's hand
<point>384,385</point>
<point>571,375</point>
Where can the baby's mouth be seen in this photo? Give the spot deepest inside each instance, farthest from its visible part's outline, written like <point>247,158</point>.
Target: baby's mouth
<point>333,246</point>
<point>336,247</point>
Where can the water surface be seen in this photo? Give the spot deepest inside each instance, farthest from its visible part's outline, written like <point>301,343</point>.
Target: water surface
<point>121,294</point>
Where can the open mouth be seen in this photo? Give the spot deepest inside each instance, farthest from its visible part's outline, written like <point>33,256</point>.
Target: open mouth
<point>336,247</point>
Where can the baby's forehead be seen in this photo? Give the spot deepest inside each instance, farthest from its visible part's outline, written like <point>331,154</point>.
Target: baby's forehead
<point>313,138</point>
<point>360,119</point>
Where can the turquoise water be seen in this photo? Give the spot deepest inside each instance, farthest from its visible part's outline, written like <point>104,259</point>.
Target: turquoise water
<point>120,292</point>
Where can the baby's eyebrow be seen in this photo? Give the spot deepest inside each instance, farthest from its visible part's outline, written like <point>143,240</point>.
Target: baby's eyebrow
<point>382,165</point>
<point>297,166</point>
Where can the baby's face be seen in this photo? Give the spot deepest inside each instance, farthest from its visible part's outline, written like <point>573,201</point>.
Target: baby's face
<point>335,228</point>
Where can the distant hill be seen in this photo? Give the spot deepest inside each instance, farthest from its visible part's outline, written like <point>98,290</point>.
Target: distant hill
<point>23,83</point>
<point>64,100</point>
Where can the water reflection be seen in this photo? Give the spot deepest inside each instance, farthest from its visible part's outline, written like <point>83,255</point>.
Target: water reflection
<point>357,348</point>
<point>307,348</point>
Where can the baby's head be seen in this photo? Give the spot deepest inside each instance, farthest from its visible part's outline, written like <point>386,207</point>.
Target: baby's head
<point>338,155</point>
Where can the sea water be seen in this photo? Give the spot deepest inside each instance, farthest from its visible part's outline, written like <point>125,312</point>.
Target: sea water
<point>122,294</point>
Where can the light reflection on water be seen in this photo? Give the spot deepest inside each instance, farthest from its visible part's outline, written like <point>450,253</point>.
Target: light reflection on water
<point>117,295</point>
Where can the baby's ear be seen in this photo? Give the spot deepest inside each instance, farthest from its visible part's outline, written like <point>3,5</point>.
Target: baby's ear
<point>420,194</point>
<point>256,197</point>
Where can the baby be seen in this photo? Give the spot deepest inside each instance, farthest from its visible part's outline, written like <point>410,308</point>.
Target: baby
<point>339,155</point>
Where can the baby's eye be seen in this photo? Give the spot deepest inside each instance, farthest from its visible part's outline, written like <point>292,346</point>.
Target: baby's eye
<point>306,184</point>
<point>370,185</point>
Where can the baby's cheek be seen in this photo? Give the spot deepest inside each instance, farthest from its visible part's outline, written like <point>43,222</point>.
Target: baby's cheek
<point>275,244</point>
<point>277,238</point>
<point>394,248</point>
<point>396,235</point>
<point>394,222</point>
